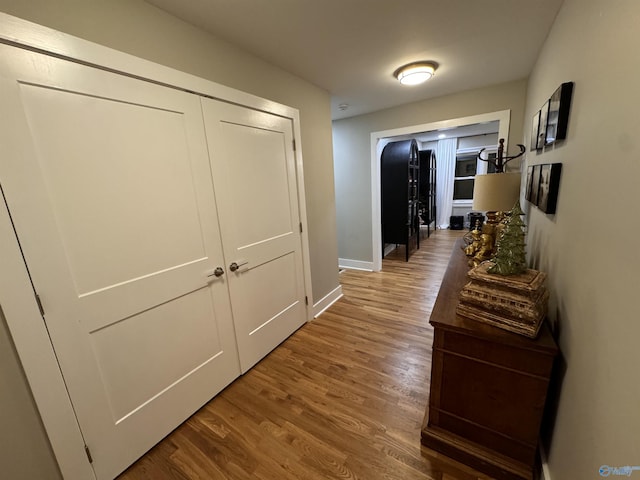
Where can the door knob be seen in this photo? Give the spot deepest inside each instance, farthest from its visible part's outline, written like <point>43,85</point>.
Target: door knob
<point>237,264</point>
<point>218,272</point>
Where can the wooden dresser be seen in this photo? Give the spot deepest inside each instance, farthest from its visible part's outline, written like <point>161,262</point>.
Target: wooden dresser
<point>488,387</point>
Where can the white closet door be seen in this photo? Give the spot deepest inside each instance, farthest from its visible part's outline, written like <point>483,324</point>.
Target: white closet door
<point>253,166</point>
<point>108,182</point>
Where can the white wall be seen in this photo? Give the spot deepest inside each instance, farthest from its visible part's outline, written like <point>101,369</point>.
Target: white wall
<point>589,248</point>
<point>352,152</point>
<point>428,145</point>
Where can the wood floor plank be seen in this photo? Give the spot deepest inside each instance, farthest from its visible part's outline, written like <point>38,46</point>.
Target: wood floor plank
<point>342,398</point>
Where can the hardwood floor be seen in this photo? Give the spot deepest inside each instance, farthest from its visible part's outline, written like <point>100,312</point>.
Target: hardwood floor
<point>344,397</point>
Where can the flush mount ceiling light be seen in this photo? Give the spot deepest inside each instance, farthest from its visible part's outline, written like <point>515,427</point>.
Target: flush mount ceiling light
<point>415,73</point>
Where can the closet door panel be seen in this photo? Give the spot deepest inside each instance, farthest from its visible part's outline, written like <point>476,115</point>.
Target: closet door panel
<point>108,182</point>
<point>254,173</point>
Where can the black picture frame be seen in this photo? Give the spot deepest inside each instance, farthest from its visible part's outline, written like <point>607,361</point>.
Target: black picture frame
<point>558,117</point>
<point>549,187</point>
<point>528,181</point>
<point>542,128</point>
<point>535,184</point>
<point>535,124</point>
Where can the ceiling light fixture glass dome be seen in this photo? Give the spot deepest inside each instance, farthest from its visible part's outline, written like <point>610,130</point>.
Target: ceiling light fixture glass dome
<point>415,73</point>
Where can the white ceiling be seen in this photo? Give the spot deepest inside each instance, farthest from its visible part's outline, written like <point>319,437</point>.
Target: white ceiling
<point>352,47</point>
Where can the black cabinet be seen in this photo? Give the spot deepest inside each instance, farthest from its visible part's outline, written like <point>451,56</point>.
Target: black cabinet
<point>400,178</point>
<point>427,188</point>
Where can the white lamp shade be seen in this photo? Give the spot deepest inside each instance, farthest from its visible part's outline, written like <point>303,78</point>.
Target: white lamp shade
<point>496,192</point>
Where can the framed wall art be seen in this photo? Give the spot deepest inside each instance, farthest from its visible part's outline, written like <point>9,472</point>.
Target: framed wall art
<point>535,183</point>
<point>558,117</point>
<point>549,186</point>
<point>542,127</point>
<point>527,187</point>
<point>535,124</point>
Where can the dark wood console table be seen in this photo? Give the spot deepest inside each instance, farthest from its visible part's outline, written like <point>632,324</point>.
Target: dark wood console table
<point>488,387</point>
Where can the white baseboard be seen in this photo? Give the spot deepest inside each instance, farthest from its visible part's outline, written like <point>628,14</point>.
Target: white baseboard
<point>544,474</point>
<point>327,301</point>
<point>388,249</point>
<point>355,264</point>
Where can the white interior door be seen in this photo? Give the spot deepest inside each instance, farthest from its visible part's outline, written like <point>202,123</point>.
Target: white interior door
<point>253,166</point>
<point>108,182</point>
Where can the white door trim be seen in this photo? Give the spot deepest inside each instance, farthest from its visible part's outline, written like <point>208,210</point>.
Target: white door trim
<point>17,299</point>
<point>381,138</point>
<point>38,359</point>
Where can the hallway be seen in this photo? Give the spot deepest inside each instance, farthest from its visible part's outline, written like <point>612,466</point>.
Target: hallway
<point>343,397</point>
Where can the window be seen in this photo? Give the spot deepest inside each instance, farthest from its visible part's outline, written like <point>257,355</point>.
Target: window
<point>467,167</point>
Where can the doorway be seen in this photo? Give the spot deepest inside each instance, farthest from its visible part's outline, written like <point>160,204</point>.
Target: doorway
<point>381,138</point>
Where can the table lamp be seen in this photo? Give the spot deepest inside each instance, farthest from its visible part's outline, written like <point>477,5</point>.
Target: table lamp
<point>495,193</point>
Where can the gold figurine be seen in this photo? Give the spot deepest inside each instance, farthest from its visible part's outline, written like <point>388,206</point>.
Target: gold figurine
<point>480,244</point>
<point>471,249</point>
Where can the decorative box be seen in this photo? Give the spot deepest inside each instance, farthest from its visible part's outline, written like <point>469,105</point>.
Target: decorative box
<point>517,303</point>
